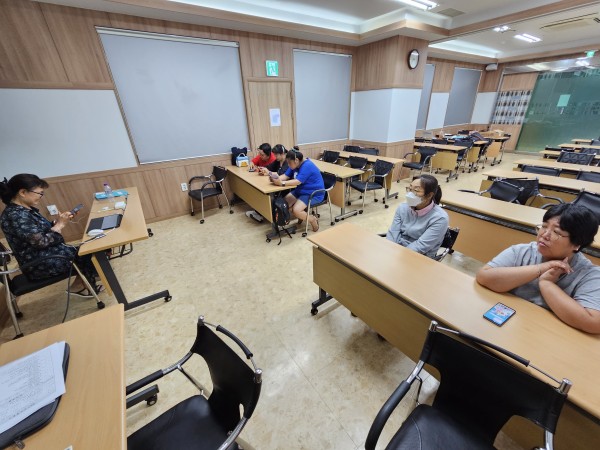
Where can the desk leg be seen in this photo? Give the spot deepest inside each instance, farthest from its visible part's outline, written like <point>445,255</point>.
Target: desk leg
<point>343,213</point>
<point>115,286</point>
<point>324,297</point>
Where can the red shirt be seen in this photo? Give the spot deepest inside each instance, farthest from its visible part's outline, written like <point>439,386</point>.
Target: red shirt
<point>258,162</point>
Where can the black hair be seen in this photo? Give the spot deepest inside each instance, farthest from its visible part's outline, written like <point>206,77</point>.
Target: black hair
<point>294,154</point>
<point>580,222</point>
<point>279,149</point>
<point>9,189</point>
<point>266,148</point>
<point>430,184</point>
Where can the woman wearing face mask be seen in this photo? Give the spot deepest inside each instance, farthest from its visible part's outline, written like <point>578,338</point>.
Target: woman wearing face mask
<point>420,224</point>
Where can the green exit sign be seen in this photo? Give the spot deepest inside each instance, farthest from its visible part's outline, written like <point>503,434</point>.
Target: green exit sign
<point>272,68</point>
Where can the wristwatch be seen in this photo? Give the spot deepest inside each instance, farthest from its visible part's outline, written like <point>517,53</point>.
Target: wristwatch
<point>283,183</point>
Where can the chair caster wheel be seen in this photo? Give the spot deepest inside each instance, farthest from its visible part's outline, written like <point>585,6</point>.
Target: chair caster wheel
<point>220,206</point>
<point>387,206</point>
<point>376,200</point>
<point>303,234</point>
<point>19,315</point>
<point>192,213</point>
<point>337,220</point>
<point>168,298</point>
<point>100,305</point>
<point>380,337</point>
<point>152,400</point>
<point>360,211</point>
<point>396,197</point>
<point>150,233</point>
<point>201,220</point>
<point>230,212</point>
<point>332,223</point>
<point>314,311</point>
<point>268,240</point>
<point>348,203</point>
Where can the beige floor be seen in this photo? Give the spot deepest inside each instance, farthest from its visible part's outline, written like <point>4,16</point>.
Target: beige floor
<point>325,377</point>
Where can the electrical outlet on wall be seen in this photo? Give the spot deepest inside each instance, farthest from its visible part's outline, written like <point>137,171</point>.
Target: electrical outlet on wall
<point>53,210</point>
<point>184,186</point>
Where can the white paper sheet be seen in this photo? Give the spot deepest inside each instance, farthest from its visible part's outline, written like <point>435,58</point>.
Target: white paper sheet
<point>275,116</point>
<point>30,383</point>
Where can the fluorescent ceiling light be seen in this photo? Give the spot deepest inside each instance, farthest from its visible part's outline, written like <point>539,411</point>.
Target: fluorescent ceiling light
<point>527,38</point>
<point>421,4</point>
<point>502,29</point>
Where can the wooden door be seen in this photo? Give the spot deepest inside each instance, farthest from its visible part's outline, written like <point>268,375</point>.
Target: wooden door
<point>264,97</point>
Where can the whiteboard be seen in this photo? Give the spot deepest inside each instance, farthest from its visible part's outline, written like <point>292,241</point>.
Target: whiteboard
<point>54,132</point>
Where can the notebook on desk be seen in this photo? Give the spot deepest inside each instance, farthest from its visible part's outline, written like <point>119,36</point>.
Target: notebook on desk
<point>105,223</point>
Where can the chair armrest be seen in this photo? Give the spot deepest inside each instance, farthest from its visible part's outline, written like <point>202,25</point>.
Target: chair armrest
<point>382,234</point>
<point>137,385</point>
<point>472,192</point>
<point>209,183</point>
<point>199,177</point>
<point>384,413</point>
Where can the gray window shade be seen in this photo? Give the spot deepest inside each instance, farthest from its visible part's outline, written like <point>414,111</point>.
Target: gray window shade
<point>425,96</point>
<point>462,96</point>
<point>322,91</point>
<point>182,97</point>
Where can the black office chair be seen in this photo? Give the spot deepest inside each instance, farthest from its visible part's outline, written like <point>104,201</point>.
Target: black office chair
<point>446,248</point>
<point>589,200</point>
<point>355,162</point>
<point>589,151</point>
<point>212,186</point>
<point>426,154</point>
<point>595,142</point>
<point>588,176</point>
<point>461,156</point>
<point>17,285</point>
<point>352,148</point>
<point>201,422</point>
<point>550,171</point>
<point>583,159</point>
<point>478,393</point>
<point>531,191</point>
<point>419,139</point>
<point>329,181</point>
<point>439,141</point>
<point>369,151</point>
<point>375,182</point>
<point>329,156</point>
<point>500,189</point>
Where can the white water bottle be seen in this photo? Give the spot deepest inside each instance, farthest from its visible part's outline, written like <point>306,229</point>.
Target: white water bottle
<point>109,193</point>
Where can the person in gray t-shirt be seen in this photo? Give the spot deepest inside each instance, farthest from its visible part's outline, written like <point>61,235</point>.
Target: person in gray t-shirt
<point>551,272</point>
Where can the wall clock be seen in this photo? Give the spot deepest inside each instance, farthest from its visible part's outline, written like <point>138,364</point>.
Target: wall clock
<point>413,58</point>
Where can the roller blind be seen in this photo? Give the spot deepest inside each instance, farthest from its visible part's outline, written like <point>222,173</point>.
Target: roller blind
<point>425,96</point>
<point>322,96</point>
<point>182,97</point>
<point>462,96</point>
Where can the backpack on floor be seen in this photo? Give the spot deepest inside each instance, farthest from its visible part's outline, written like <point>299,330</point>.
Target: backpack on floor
<point>281,212</point>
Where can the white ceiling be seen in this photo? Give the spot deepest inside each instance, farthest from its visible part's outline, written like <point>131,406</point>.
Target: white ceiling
<point>355,22</point>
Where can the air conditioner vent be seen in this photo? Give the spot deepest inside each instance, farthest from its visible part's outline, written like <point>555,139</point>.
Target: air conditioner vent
<point>572,23</point>
<point>450,12</point>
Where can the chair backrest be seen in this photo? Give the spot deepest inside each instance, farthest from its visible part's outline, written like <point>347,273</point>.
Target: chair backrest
<point>329,180</point>
<point>219,172</point>
<point>380,169</point>
<point>502,190</point>
<point>575,158</point>
<point>589,151</point>
<point>419,139</point>
<point>358,162</point>
<point>447,244</point>
<point>369,151</point>
<point>590,201</point>
<point>551,171</point>
<point>558,149</point>
<point>463,142</point>
<point>352,148</point>
<point>482,391</point>
<point>439,141</point>
<point>234,382</point>
<point>426,152</point>
<point>595,142</point>
<point>329,156</point>
<point>530,188</point>
<point>589,176</point>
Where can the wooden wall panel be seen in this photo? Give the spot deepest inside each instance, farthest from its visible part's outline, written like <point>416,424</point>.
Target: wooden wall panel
<point>27,51</point>
<point>262,48</point>
<point>77,42</point>
<point>490,81</point>
<point>519,81</point>
<point>137,23</point>
<point>383,64</point>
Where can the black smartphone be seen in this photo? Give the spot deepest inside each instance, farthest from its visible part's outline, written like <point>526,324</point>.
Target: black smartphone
<point>76,209</point>
<point>499,314</point>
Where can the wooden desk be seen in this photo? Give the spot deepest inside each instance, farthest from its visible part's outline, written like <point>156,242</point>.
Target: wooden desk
<point>561,187</point>
<point>488,226</point>
<point>496,148</point>
<point>91,414</point>
<point>581,141</point>
<point>446,157</point>
<point>554,154</point>
<point>567,169</point>
<point>390,288</point>
<point>578,146</point>
<point>132,229</point>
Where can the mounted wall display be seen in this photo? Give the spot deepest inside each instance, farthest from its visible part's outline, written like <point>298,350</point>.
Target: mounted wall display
<point>322,96</point>
<point>182,97</point>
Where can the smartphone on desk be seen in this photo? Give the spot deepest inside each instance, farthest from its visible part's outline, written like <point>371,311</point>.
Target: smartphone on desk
<point>76,209</point>
<point>499,314</point>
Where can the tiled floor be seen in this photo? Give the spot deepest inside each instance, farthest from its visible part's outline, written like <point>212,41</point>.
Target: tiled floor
<point>325,377</point>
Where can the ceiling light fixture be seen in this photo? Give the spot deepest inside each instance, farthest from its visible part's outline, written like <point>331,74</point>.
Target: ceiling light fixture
<point>421,4</point>
<point>582,63</point>
<point>502,28</point>
<point>527,38</point>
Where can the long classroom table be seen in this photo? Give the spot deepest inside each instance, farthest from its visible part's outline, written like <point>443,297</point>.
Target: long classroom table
<point>567,169</point>
<point>554,154</point>
<point>390,288</point>
<point>488,226</point>
<point>581,141</point>
<point>446,157</point>
<point>579,146</point>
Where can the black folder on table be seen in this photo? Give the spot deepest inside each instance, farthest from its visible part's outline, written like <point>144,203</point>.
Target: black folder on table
<point>105,223</point>
<point>38,419</point>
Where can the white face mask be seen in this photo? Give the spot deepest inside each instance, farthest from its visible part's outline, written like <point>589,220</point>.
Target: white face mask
<point>413,200</point>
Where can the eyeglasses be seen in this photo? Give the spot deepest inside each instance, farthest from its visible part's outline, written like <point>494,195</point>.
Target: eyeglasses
<point>41,194</point>
<point>554,235</point>
<point>416,190</point>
